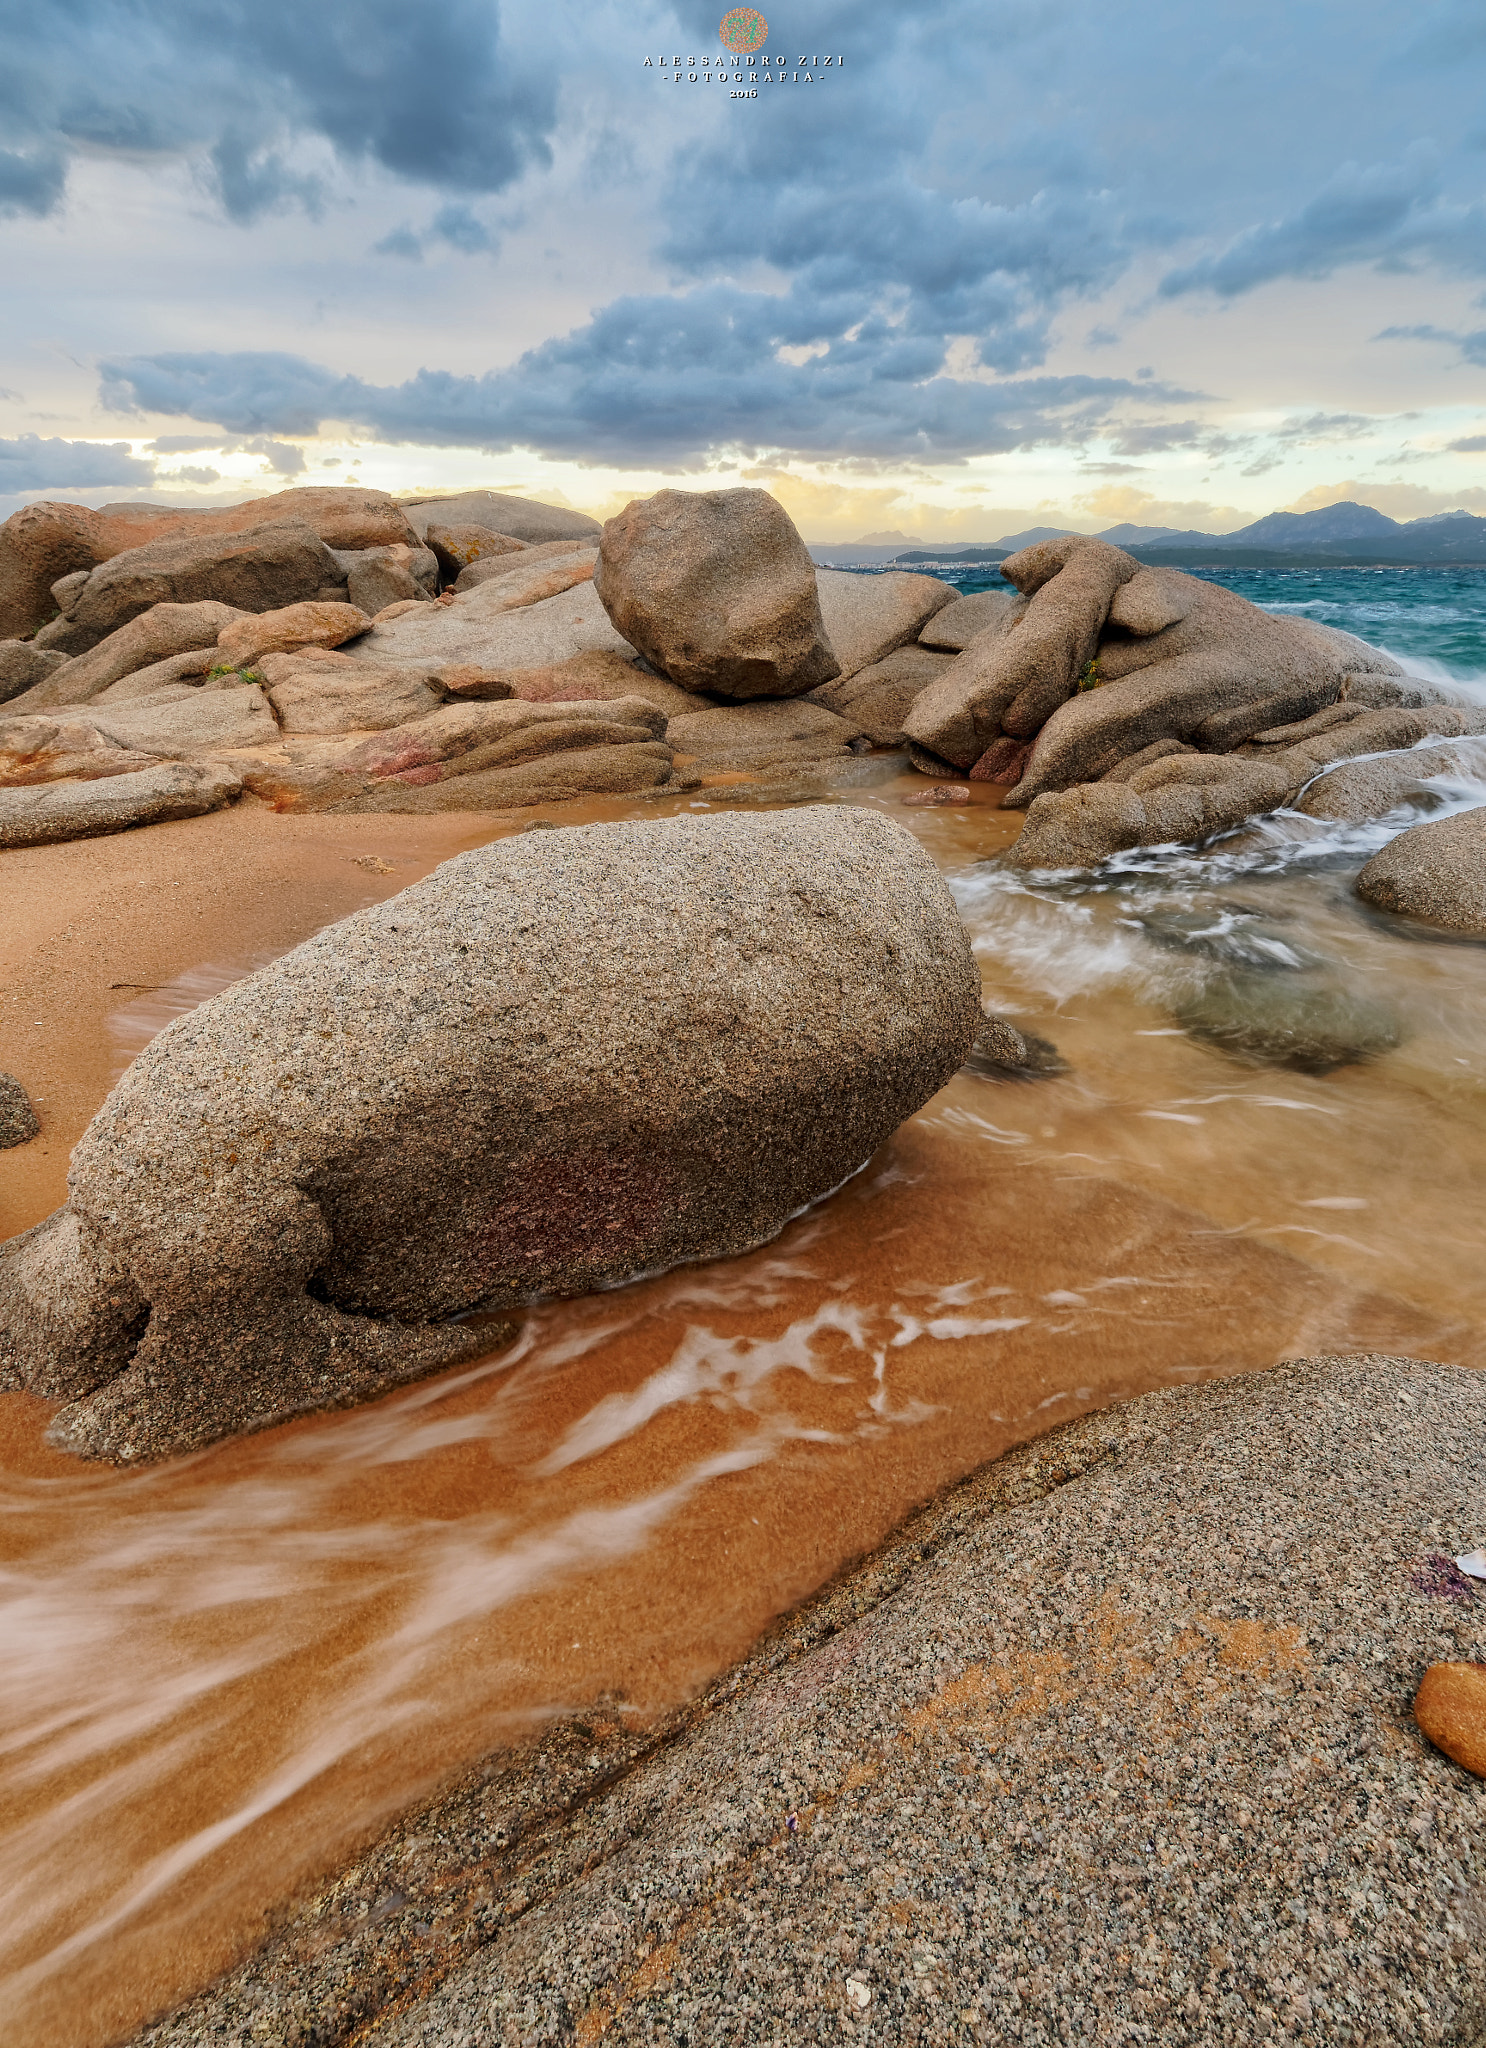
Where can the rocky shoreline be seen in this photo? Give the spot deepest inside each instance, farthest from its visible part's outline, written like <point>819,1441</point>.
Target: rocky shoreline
<point>1116,1734</point>
<point>335,650</point>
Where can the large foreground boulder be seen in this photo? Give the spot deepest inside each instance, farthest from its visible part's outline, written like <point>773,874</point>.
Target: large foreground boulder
<point>1113,1744</point>
<point>558,1062</point>
<point>718,592</point>
<point>42,543</point>
<point>1435,871</point>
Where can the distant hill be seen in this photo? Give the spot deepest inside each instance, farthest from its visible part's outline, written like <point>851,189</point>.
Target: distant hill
<point>1344,535</point>
<point>1128,536</point>
<point>1340,536</point>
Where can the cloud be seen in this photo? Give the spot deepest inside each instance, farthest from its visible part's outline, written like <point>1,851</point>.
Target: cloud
<point>1387,214</point>
<point>652,381</point>
<point>433,95</point>
<point>1473,444</point>
<point>32,464</point>
<point>1399,501</point>
<point>456,225</point>
<point>1122,504</point>
<point>1472,346</point>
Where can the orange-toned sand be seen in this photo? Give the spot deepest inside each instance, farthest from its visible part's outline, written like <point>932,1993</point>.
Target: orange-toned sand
<point>222,1673</point>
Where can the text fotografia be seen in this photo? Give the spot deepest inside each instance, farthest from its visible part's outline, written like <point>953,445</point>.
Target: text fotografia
<point>745,71</point>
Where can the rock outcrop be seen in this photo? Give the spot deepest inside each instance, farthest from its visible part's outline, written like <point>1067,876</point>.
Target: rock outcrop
<point>458,547</point>
<point>717,591</point>
<point>155,795</point>
<point>877,698</point>
<point>23,666</point>
<point>309,624</point>
<point>1176,795</point>
<point>765,734</point>
<point>1435,871</point>
<point>866,617</point>
<point>522,519</point>
<point>560,1061</point>
<point>156,635</point>
<point>260,570</point>
<point>313,697</point>
<point>478,628</point>
<point>42,543</point>
<point>1108,658</point>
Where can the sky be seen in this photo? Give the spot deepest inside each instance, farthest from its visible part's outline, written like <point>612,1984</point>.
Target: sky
<point>995,265</point>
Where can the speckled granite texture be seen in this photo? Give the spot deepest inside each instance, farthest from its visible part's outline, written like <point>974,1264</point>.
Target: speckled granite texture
<point>1111,1745</point>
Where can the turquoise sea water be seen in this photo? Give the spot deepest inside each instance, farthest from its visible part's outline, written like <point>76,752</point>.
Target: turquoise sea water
<point>1433,620</point>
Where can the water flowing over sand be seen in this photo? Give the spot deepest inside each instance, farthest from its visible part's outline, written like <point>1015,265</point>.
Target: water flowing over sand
<point>223,1673</point>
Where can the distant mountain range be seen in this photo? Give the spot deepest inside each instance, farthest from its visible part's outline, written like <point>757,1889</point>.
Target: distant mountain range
<point>1346,535</point>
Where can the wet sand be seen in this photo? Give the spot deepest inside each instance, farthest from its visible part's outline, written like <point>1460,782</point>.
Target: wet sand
<point>226,1672</point>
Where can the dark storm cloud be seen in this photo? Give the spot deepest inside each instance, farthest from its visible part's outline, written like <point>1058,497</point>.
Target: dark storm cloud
<point>649,380</point>
<point>1389,213</point>
<point>870,268</point>
<point>30,463</point>
<point>430,94</point>
<point>1472,347</point>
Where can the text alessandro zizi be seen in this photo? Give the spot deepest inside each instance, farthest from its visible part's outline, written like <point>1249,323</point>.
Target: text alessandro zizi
<point>749,71</point>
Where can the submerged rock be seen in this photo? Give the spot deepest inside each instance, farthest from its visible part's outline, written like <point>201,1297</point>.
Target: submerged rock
<point>1435,871</point>
<point>1289,1020</point>
<point>1234,933</point>
<point>1002,1052</point>
<point>717,591</point>
<point>559,1062</point>
<point>1370,789</point>
<point>19,1123</point>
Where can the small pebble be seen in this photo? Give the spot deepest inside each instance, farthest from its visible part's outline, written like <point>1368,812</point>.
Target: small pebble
<point>1450,1706</point>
